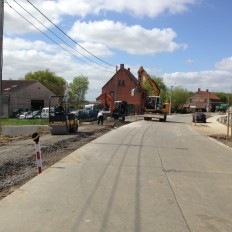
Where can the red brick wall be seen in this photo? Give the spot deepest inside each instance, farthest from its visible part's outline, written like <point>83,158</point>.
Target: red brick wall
<point>120,86</point>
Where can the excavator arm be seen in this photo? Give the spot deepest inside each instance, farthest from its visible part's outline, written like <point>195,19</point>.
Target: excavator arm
<point>143,74</point>
<point>108,98</point>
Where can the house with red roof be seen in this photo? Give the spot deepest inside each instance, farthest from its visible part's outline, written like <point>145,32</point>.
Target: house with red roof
<point>120,86</point>
<point>205,101</point>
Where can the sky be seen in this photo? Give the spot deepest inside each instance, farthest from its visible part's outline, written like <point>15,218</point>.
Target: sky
<point>185,42</point>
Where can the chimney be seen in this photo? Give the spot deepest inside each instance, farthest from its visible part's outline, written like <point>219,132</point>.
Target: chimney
<point>128,69</point>
<point>121,66</point>
<point>199,89</point>
<point>207,90</point>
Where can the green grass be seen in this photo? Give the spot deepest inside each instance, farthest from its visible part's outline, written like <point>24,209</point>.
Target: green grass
<point>18,122</point>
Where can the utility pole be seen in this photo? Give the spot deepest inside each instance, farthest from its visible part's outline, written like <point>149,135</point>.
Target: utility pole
<point>170,105</point>
<point>1,58</point>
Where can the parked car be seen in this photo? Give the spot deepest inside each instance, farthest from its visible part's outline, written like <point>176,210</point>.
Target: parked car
<point>34,114</point>
<point>24,115</point>
<point>199,117</point>
<point>45,112</point>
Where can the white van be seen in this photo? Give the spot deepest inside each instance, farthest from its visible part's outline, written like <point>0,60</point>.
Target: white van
<point>45,112</point>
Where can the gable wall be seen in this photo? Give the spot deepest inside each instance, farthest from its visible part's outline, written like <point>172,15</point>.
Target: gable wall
<point>22,99</point>
<point>123,92</point>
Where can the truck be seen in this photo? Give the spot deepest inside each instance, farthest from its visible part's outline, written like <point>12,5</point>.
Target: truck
<point>222,107</point>
<point>153,106</point>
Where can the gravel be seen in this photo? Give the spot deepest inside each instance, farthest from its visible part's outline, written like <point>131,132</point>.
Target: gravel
<point>17,154</point>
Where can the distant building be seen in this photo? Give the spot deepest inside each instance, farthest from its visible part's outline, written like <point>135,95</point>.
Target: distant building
<point>205,101</point>
<point>22,95</point>
<point>119,87</point>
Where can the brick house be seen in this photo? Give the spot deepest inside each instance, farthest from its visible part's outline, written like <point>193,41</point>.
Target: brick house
<point>119,87</point>
<point>23,95</point>
<point>205,101</point>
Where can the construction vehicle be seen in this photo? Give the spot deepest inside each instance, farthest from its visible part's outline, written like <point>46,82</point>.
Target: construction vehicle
<point>61,121</point>
<point>153,106</point>
<point>117,109</point>
<point>107,102</point>
<point>223,107</point>
<point>120,110</point>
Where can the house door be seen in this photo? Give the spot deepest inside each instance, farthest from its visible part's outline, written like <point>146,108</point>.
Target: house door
<point>37,104</point>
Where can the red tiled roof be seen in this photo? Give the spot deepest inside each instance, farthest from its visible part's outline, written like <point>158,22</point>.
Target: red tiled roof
<point>206,95</point>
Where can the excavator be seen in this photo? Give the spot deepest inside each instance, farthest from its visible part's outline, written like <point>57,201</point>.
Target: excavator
<point>120,110</point>
<point>61,121</point>
<point>153,105</point>
<point>117,109</point>
<point>107,98</point>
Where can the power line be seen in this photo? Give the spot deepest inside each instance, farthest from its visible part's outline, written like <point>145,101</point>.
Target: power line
<point>52,39</point>
<point>58,36</point>
<point>68,35</point>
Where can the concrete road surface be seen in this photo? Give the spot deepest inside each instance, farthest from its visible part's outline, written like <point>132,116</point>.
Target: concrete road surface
<point>147,176</point>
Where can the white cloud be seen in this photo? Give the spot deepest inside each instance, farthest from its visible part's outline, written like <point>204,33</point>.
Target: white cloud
<point>22,56</point>
<point>127,38</point>
<point>97,49</point>
<point>189,62</point>
<point>209,79</point>
<point>56,10</point>
<point>225,64</point>
<point>145,8</point>
<point>21,17</point>
<point>102,38</point>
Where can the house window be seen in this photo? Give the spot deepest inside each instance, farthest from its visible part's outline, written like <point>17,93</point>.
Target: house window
<point>206,100</point>
<point>121,83</point>
<point>190,100</point>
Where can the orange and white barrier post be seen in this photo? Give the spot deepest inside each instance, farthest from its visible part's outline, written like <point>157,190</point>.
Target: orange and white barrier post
<point>35,137</point>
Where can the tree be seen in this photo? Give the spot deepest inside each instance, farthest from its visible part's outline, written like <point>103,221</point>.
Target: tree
<point>224,97</point>
<point>49,79</point>
<point>77,91</point>
<point>179,97</point>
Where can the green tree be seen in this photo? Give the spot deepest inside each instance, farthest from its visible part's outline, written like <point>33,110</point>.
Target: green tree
<point>77,91</point>
<point>223,96</point>
<point>179,97</point>
<point>49,79</point>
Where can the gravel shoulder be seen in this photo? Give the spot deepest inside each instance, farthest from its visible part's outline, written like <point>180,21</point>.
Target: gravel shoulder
<point>215,130</point>
<point>17,154</point>
<point>18,159</point>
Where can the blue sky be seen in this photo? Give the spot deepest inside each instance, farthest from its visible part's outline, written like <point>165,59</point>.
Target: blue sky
<point>186,42</point>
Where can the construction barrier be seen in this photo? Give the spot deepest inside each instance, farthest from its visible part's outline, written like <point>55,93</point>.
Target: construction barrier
<point>35,137</point>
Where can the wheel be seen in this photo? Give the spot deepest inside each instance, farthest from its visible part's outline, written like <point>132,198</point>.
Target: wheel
<point>75,128</point>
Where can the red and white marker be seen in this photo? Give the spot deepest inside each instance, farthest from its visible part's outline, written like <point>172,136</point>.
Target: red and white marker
<point>35,137</point>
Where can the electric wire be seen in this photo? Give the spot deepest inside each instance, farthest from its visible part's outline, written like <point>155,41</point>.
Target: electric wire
<point>68,35</point>
<point>58,36</point>
<point>52,39</point>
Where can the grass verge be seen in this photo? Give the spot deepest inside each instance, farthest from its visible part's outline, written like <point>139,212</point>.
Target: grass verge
<point>18,122</point>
